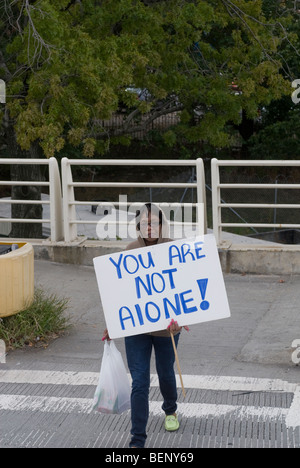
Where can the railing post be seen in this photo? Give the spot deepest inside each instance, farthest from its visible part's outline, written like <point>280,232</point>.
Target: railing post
<point>56,210</point>
<point>216,199</point>
<point>201,197</point>
<point>69,212</point>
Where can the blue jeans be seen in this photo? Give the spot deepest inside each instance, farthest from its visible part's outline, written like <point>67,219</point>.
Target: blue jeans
<point>138,350</point>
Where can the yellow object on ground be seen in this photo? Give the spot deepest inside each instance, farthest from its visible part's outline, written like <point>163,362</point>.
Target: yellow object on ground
<point>16,279</point>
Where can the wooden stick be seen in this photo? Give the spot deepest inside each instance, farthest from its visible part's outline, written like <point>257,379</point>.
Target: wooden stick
<point>177,362</point>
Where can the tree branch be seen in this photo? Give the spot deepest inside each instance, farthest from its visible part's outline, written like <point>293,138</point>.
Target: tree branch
<point>142,125</point>
<point>231,7</point>
<point>3,66</point>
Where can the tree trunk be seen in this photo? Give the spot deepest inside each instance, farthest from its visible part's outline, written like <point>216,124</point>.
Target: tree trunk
<point>23,173</point>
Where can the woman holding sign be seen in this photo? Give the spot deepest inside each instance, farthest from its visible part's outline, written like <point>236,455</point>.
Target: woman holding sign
<point>152,228</point>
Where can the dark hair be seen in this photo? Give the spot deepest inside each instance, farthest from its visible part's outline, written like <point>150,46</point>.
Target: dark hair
<point>151,208</point>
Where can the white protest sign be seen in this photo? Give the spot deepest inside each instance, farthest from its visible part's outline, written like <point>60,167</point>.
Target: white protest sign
<point>143,289</point>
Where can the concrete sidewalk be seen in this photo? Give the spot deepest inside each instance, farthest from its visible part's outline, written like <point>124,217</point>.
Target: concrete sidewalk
<point>255,341</point>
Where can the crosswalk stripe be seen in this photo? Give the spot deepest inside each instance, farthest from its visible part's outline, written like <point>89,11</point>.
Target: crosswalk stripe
<point>45,404</point>
<point>205,382</point>
<point>50,404</point>
<point>200,382</point>
<point>199,410</point>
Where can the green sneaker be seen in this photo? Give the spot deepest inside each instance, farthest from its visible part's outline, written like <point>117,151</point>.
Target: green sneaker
<point>171,423</point>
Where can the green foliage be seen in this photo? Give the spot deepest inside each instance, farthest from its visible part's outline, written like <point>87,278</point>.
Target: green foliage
<point>278,140</point>
<point>68,65</point>
<point>42,321</point>
<point>277,134</point>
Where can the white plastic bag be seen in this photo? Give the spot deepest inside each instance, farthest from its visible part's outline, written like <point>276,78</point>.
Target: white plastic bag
<point>113,390</point>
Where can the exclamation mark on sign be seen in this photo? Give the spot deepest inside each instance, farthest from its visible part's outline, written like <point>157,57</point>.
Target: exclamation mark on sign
<point>202,283</point>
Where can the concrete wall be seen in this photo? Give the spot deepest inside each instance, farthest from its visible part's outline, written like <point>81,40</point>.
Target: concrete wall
<point>259,259</point>
<point>235,258</point>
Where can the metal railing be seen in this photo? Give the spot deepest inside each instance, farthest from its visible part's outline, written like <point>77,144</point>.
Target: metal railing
<point>55,198</point>
<point>218,205</point>
<point>68,185</point>
<point>64,219</point>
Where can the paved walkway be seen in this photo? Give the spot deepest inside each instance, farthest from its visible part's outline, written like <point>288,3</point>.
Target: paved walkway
<point>241,384</point>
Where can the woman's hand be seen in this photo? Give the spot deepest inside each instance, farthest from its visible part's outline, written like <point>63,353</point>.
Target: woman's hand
<point>106,335</point>
<point>175,328</point>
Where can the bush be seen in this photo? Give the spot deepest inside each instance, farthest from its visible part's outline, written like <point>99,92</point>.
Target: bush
<point>43,321</point>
